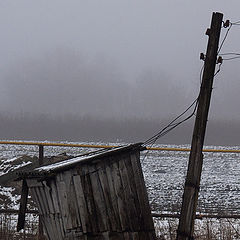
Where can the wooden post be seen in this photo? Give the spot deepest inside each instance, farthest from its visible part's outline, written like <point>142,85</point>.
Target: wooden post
<point>40,226</point>
<point>40,155</point>
<point>23,206</point>
<point>192,183</point>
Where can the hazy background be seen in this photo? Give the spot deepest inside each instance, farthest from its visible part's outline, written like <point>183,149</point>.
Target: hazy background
<point>112,70</point>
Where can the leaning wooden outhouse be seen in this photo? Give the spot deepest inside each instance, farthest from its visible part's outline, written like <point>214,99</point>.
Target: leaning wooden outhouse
<point>98,196</point>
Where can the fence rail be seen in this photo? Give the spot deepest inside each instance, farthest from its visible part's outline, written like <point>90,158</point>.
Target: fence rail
<point>55,144</point>
<point>154,214</point>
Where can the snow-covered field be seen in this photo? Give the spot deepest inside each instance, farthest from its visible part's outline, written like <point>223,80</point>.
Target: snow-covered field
<point>220,183</point>
<point>164,173</point>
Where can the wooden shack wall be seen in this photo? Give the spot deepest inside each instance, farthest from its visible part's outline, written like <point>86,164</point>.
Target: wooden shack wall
<point>104,199</point>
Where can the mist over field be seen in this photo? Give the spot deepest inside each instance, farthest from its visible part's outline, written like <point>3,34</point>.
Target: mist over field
<point>112,71</point>
<point>65,96</point>
<point>75,128</point>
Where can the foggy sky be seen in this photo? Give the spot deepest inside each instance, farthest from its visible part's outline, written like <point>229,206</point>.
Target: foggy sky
<point>116,60</point>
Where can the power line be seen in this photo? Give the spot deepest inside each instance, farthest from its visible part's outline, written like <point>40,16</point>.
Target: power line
<point>172,124</point>
<point>236,23</point>
<point>201,72</point>
<point>219,69</point>
<point>231,58</point>
<point>231,55</point>
<point>229,25</point>
<point>224,38</point>
<point>225,54</point>
<point>169,127</point>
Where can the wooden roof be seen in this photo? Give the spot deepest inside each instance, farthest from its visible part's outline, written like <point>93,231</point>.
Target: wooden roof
<point>82,159</point>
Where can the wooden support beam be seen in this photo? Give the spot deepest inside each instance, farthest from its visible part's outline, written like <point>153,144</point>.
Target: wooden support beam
<point>23,206</point>
<point>40,159</point>
<point>190,196</point>
<point>40,226</point>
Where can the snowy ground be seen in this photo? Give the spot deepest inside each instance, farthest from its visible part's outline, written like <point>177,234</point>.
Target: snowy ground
<point>164,175</point>
<point>220,184</point>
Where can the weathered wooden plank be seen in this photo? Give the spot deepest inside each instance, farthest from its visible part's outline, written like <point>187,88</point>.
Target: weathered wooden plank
<point>60,224</point>
<point>52,227</point>
<point>98,236</point>
<point>116,236</point>
<point>128,195</point>
<point>42,216</point>
<point>47,201</point>
<point>82,206</point>
<point>127,236</point>
<point>87,189</point>
<point>34,183</point>
<point>55,197</point>
<point>61,189</point>
<point>55,204</point>
<point>105,235</point>
<point>71,200</point>
<point>56,225</point>
<point>33,193</point>
<point>133,195</point>
<point>142,193</point>
<point>73,196</point>
<point>83,237</point>
<point>44,200</point>
<point>143,235</point>
<point>99,201</point>
<point>48,224</point>
<point>35,199</point>
<point>70,235</point>
<point>135,236</point>
<point>113,222</point>
<point>113,196</point>
<point>39,200</point>
<point>120,196</point>
<point>48,196</point>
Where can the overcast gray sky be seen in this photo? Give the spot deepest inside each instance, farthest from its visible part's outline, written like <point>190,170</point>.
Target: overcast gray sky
<point>112,58</point>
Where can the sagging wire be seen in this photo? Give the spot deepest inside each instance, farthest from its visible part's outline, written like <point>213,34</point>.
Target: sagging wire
<point>151,141</point>
<point>231,55</point>
<point>201,72</point>
<point>219,69</point>
<point>228,25</point>
<point>224,54</point>
<point>231,58</point>
<point>236,23</point>
<point>173,123</point>
<point>234,55</point>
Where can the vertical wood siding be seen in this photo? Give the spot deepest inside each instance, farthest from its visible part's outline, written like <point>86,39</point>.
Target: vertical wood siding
<point>103,199</point>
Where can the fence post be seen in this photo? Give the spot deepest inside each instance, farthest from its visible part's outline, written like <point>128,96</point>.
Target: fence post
<point>23,206</point>
<point>40,155</point>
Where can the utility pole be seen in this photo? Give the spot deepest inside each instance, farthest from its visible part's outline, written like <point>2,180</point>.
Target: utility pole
<point>192,183</point>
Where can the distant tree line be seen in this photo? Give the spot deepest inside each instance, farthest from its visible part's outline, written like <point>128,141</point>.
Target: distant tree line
<point>89,128</point>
